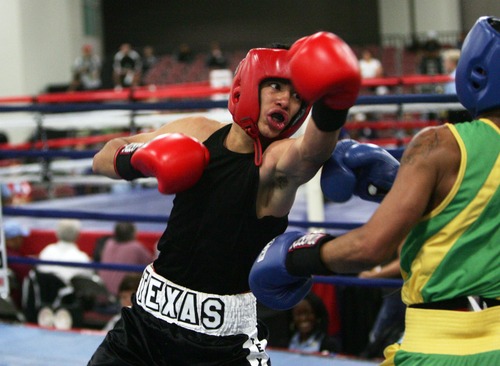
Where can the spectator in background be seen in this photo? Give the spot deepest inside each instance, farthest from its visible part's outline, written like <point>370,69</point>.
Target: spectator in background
<point>414,46</point>
<point>127,67</point>
<point>66,250</point>
<point>216,58</point>
<point>389,324</point>
<point>4,138</point>
<point>310,327</point>
<point>122,248</point>
<point>15,235</point>
<point>450,59</point>
<point>128,287</point>
<point>149,59</point>
<point>431,62</point>
<point>371,68</point>
<point>86,70</point>
<point>6,194</point>
<point>185,54</point>
<point>99,246</point>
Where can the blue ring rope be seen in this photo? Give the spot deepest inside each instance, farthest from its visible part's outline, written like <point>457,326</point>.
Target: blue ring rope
<point>93,215</point>
<point>331,280</point>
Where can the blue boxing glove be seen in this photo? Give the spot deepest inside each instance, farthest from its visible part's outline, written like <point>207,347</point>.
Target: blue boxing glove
<point>281,276</point>
<point>365,170</point>
<point>338,181</point>
<point>375,170</point>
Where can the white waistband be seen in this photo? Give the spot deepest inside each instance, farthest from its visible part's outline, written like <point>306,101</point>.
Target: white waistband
<point>211,314</point>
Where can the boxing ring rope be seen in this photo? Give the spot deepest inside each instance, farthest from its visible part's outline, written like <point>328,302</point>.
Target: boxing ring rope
<point>331,280</point>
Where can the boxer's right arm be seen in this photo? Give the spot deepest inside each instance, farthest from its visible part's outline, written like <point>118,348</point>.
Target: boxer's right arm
<point>325,71</point>
<point>281,275</point>
<point>338,181</point>
<point>103,161</point>
<point>365,170</point>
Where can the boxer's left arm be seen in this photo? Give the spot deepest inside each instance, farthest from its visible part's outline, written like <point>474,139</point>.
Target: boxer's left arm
<point>375,169</point>
<point>103,162</point>
<point>325,73</point>
<point>410,198</point>
<point>281,275</point>
<point>365,170</point>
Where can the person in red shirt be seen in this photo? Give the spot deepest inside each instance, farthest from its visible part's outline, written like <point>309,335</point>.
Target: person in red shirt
<point>122,248</point>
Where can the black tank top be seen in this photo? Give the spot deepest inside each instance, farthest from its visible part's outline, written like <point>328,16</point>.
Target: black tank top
<point>213,234</point>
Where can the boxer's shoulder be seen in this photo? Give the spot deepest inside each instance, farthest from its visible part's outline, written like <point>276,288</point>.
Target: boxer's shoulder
<point>199,127</point>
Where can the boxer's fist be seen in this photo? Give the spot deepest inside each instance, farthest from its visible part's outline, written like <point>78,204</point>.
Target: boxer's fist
<point>338,181</point>
<point>281,275</point>
<point>375,170</point>
<point>324,67</point>
<point>176,160</point>
<point>365,170</point>
<point>269,279</point>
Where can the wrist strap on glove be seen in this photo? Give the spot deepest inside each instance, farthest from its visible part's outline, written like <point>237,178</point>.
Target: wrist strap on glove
<point>327,119</point>
<point>304,259</point>
<point>122,161</point>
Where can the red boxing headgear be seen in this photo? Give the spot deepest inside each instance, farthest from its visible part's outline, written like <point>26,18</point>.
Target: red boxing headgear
<point>244,100</point>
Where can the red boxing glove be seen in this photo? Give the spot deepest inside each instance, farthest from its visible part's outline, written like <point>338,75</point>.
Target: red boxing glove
<point>324,67</point>
<point>176,160</point>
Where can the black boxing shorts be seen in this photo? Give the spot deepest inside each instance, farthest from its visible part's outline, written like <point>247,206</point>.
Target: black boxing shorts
<point>172,325</point>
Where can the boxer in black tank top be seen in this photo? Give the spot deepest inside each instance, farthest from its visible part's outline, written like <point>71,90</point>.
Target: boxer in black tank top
<point>193,305</point>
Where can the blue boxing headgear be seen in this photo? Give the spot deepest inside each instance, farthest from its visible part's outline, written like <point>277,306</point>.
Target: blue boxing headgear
<point>478,71</point>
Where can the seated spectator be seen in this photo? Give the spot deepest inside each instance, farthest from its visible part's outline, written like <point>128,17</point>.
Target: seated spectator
<point>185,54</point>
<point>127,67</point>
<point>128,287</point>
<point>149,59</point>
<point>450,59</point>
<point>4,138</point>
<point>370,68</point>
<point>278,324</point>
<point>310,327</point>
<point>66,250</point>
<point>216,59</point>
<point>431,62</point>
<point>122,248</point>
<point>15,235</point>
<point>414,46</point>
<point>6,194</point>
<point>86,70</point>
<point>390,321</point>
<point>99,246</point>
